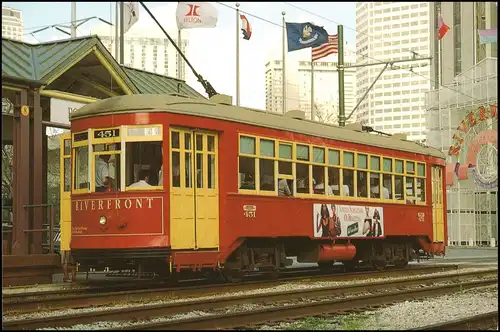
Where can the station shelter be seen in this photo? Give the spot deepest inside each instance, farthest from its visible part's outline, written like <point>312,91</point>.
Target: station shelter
<point>35,78</point>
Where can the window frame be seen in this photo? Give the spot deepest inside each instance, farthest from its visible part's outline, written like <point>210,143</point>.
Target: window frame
<point>74,146</point>
<point>126,138</point>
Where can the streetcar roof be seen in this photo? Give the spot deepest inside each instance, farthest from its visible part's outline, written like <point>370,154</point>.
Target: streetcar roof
<point>209,109</point>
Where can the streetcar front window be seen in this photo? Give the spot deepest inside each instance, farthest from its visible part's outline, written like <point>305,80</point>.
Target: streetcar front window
<point>107,167</point>
<point>144,164</point>
<point>81,167</point>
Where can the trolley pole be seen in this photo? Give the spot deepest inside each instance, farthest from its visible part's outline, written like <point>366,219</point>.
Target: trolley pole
<point>340,68</point>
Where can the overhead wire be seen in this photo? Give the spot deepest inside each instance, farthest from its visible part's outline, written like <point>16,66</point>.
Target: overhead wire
<point>354,51</point>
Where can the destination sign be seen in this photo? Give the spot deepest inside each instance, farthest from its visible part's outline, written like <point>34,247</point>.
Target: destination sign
<point>80,137</point>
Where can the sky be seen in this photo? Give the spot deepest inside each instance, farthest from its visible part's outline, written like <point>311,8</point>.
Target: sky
<point>212,52</point>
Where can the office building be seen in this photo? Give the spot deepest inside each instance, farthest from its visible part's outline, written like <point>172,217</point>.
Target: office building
<point>12,23</point>
<point>393,31</point>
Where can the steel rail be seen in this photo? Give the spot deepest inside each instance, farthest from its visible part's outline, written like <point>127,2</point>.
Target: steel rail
<point>168,309</point>
<point>261,316</point>
<point>82,298</point>
<point>477,322</point>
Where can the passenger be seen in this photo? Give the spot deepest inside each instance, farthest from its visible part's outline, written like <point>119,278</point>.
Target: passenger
<point>375,191</point>
<point>335,185</point>
<point>102,178</point>
<point>160,176</point>
<point>283,189</point>
<point>143,179</point>
<point>320,186</point>
<point>323,221</point>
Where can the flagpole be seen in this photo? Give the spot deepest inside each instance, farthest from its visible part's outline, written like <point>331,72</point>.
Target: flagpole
<point>117,31</point>
<point>237,54</point>
<point>313,111</point>
<point>284,63</point>
<point>179,37</point>
<point>122,43</point>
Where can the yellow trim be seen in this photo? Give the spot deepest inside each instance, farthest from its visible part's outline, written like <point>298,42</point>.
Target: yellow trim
<point>6,87</point>
<point>113,73</point>
<point>66,68</point>
<point>144,188</point>
<point>98,87</point>
<point>326,164</point>
<point>67,96</point>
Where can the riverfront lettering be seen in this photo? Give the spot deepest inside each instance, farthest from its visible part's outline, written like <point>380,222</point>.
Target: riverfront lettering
<point>114,204</point>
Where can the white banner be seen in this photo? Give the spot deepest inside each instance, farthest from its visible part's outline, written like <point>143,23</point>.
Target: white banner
<point>130,15</point>
<point>333,220</point>
<point>61,109</point>
<point>196,15</point>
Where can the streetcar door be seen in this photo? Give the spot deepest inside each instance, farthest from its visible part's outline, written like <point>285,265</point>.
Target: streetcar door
<point>194,204</point>
<point>65,192</point>
<point>437,204</point>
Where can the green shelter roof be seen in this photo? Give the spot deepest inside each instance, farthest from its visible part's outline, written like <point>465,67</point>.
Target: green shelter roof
<point>46,61</point>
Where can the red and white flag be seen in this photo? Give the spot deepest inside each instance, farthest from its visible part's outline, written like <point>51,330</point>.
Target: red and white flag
<point>246,28</point>
<point>442,28</point>
<point>331,47</point>
<point>192,15</point>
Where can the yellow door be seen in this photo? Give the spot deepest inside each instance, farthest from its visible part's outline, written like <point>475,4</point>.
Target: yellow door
<point>65,191</point>
<point>437,204</point>
<point>194,204</point>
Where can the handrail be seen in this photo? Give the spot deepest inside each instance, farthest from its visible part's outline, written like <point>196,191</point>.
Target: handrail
<point>51,223</point>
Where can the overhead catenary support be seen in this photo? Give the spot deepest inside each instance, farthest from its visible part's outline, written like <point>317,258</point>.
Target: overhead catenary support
<point>284,63</point>
<point>237,54</point>
<point>117,31</point>
<point>313,111</point>
<point>340,68</point>
<point>122,35</point>
<point>179,58</point>
<point>73,19</point>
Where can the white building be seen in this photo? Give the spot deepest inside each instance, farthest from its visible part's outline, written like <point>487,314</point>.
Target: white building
<point>326,86</point>
<point>388,31</point>
<point>12,23</point>
<point>469,76</point>
<point>148,49</point>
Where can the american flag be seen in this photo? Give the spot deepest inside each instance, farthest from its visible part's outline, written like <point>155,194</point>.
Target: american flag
<point>332,46</point>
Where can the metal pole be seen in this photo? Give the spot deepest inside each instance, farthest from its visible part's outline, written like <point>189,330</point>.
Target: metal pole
<point>179,59</point>
<point>313,111</point>
<point>117,31</point>
<point>122,35</point>
<point>73,20</point>
<point>284,63</point>
<point>237,55</point>
<point>340,68</point>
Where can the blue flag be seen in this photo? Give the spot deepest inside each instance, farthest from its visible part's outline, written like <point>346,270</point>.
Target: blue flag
<point>305,35</point>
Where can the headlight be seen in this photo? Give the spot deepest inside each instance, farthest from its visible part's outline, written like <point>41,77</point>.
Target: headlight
<point>102,220</point>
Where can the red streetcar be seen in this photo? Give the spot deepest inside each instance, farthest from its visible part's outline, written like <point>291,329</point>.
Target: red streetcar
<point>165,183</point>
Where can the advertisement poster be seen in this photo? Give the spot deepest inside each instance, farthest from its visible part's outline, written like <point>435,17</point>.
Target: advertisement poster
<point>334,220</point>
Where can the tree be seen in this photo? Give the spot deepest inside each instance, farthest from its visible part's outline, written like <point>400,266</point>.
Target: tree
<point>324,115</point>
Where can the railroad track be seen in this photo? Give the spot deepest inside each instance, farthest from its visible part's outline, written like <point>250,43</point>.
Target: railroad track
<point>37,301</point>
<point>477,322</point>
<point>382,292</point>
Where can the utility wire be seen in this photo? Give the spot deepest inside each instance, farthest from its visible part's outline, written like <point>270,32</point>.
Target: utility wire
<point>356,52</point>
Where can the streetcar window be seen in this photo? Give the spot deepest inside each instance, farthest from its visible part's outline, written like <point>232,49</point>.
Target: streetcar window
<point>302,175</point>
<point>199,169</point>
<point>285,187</point>
<point>375,186</point>
<point>81,167</point>
<point>334,180</point>
<point>143,158</point>
<point>348,180</point>
<point>211,168</point>
<point>285,182</point>
<point>174,140</point>
<point>107,167</point>
<point>421,190</point>
<point>247,145</point>
<point>387,184</point>
<point>410,190</point>
<point>399,187</point>
<point>302,152</point>
<point>247,173</point>
<point>333,157</point>
<point>176,169</point>
<point>362,184</point>
<point>319,155</point>
<point>319,180</point>
<point>266,175</point>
